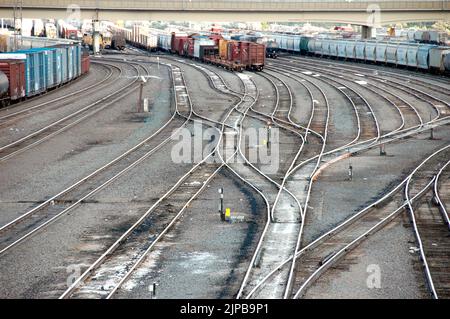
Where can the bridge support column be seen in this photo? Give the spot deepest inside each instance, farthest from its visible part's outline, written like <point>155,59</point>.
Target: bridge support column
<point>368,32</point>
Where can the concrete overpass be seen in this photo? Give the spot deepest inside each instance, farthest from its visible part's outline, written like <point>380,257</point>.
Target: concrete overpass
<point>358,12</point>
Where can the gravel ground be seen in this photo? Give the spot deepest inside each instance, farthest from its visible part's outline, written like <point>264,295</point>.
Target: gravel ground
<point>202,257</point>
<point>331,203</point>
<point>17,128</point>
<point>67,157</point>
<point>385,253</point>
<point>96,74</point>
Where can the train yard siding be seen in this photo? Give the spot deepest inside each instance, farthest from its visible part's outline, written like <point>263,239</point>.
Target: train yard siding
<point>195,254</point>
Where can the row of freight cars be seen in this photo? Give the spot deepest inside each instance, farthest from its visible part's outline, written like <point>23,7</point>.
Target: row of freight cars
<point>270,43</point>
<point>420,56</point>
<point>27,73</point>
<point>428,36</point>
<point>212,48</point>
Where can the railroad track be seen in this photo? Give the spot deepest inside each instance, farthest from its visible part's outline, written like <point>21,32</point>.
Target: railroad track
<point>133,246</point>
<point>442,196</point>
<point>407,77</point>
<point>56,206</point>
<point>368,123</point>
<point>37,137</point>
<point>438,104</point>
<point>430,228</point>
<point>273,273</point>
<point>328,249</point>
<point>249,173</point>
<point>68,98</point>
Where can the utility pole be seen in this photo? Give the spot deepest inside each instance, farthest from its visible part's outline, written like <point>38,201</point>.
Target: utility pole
<point>96,31</point>
<point>222,214</point>
<point>18,4</point>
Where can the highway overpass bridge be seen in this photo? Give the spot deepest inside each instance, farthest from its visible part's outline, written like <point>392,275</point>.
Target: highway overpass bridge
<point>357,12</point>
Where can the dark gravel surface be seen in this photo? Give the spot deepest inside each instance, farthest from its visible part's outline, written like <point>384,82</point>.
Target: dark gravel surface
<point>66,158</point>
<point>16,128</point>
<point>96,74</point>
<point>331,204</point>
<point>386,253</point>
<point>203,257</point>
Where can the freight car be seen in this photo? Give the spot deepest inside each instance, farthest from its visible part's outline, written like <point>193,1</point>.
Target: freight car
<point>35,71</point>
<point>4,89</point>
<point>429,57</point>
<point>270,43</point>
<point>118,42</point>
<point>14,71</point>
<point>230,54</point>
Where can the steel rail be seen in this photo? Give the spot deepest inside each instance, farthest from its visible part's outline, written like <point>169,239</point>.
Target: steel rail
<point>407,89</point>
<point>28,109</point>
<point>324,70</point>
<point>442,207</point>
<point>95,190</point>
<point>399,74</point>
<point>121,94</point>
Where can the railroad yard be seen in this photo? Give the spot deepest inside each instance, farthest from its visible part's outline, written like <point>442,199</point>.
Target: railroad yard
<point>155,175</point>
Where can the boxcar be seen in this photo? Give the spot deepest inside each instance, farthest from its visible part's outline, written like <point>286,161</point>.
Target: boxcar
<point>35,71</point>
<point>14,70</point>
<point>290,43</point>
<point>256,56</point>
<point>297,41</point>
<point>198,43</point>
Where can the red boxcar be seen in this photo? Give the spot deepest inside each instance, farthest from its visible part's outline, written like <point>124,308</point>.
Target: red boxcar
<point>188,49</point>
<point>256,56</point>
<point>15,71</point>
<point>177,43</point>
<point>85,64</point>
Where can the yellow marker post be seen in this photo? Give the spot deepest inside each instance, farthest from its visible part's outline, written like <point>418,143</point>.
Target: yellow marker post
<point>227,213</point>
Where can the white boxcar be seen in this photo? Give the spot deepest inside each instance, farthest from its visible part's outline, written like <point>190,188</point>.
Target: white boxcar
<point>201,42</point>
